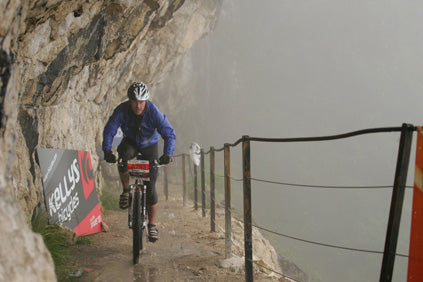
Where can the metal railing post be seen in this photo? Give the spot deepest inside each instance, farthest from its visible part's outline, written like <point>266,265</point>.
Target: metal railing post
<point>212,192</point>
<point>184,183</point>
<point>248,233</point>
<point>396,203</point>
<point>228,243</point>
<point>203,185</point>
<point>195,187</point>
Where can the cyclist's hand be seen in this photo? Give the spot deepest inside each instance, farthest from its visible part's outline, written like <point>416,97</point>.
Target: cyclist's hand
<point>109,157</point>
<point>165,159</point>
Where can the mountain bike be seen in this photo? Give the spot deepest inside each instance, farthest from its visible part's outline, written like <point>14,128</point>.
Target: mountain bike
<point>137,216</point>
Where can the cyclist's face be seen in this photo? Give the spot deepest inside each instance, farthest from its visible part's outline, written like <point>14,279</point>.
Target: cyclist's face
<point>138,106</point>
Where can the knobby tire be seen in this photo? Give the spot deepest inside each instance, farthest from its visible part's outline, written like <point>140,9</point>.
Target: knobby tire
<point>136,227</point>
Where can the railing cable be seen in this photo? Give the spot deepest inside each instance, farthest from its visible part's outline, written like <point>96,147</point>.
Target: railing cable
<point>324,244</point>
<point>318,243</point>
<point>314,186</point>
<point>330,137</point>
<point>324,186</point>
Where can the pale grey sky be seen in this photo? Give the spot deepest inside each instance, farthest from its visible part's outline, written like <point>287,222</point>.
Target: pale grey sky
<point>316,67</point>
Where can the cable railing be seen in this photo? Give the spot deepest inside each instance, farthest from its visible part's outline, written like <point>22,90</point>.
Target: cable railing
<point>324,244</point>
<point>315,242</point>
<point>296,238</point>
<point>316,186</point>
<point>398,188</point>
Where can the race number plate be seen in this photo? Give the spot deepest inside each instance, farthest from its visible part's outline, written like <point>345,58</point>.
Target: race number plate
<point>140,167</point>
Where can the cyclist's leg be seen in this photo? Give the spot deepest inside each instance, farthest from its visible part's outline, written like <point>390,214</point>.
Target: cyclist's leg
<point>152,205</point>
<point>151,153</point>
<point>127,150</point>
<point>152,198</point>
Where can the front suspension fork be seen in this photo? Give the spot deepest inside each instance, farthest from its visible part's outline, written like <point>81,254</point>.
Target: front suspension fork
<point>144,209</point>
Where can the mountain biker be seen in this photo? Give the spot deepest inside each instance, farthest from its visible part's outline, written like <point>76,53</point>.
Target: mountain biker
<point>141,123</point>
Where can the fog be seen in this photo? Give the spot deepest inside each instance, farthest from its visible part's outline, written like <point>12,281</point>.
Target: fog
<point>312,68</point>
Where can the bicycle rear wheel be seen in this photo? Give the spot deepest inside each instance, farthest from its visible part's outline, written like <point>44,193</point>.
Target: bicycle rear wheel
<point>136,227</point>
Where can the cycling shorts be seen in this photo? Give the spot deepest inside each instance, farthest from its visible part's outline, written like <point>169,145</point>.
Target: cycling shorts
<point>128,150</point>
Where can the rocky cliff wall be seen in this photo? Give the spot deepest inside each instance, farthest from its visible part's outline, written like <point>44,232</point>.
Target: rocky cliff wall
<point>64,66</point>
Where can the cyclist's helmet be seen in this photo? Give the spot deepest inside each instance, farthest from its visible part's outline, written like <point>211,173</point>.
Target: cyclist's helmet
<point>138,91</point>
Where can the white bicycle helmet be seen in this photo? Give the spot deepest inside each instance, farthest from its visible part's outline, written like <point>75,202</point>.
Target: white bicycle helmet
<point>138,91</point>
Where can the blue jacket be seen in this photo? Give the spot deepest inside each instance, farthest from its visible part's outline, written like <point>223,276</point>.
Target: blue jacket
<point>153,123</point>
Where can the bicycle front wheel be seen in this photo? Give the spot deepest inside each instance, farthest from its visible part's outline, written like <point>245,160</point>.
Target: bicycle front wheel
<point>136,227</point>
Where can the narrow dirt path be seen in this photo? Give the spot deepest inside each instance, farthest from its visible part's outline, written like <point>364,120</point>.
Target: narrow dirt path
<point>186,250</point>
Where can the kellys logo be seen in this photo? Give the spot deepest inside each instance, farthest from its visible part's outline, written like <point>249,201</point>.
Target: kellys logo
<point>63,200</point>
<point>87,174</point>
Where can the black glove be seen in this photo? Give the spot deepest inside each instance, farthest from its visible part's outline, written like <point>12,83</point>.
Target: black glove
<point>109,157</point>
<point>164,159</point>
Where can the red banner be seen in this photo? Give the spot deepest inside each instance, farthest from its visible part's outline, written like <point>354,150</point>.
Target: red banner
<point>69,190</point>
<point>91,223</point>
<point>415,260</point>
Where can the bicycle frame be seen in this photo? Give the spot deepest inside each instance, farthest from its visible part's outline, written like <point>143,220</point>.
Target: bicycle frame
<point>137,212</point>
<point>137,205</point>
